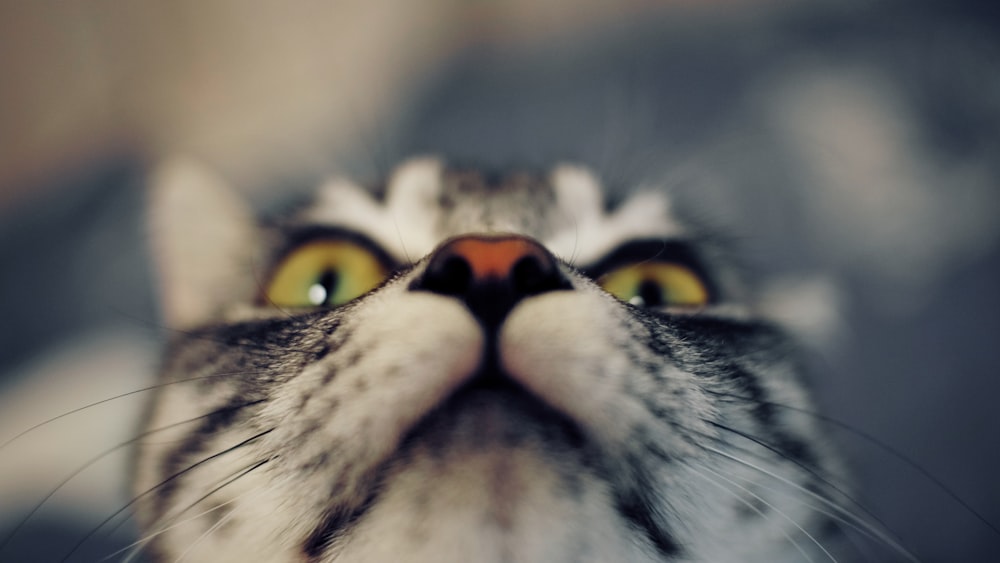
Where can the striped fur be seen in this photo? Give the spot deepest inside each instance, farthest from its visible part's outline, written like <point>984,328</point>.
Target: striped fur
<point>353,433</point>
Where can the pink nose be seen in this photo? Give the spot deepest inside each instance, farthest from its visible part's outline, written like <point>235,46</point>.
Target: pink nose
<point>491,273</point>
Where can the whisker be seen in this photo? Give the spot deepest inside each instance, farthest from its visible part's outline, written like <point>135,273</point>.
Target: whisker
<point>833,515</point>
<point>113,398</point>
<point>882,536</point>
<point>266,347</point>
<point>851,519</point>
<point>239,475</point>
<point>402,243</point>
<point>750,505</point>
<point>195,334</point>
<point>817,473</point>
<point>696,437</point>
<point>162,483</point>
<point>861,525</point>
<point>885,447</point>
<point>97,458</point>
<point>576,242</point>
<point>149,537</point>
<point>222,521</point>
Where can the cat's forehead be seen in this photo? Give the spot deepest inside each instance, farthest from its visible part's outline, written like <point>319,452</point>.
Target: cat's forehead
<point>427,202</point>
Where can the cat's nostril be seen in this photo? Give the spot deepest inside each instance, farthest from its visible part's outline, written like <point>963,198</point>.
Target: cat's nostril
<point>530,276</point>
<point>450,276</point>
<point>490,274</point>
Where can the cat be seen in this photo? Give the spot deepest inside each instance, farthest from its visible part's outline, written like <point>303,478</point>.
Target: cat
<point>470,366</point>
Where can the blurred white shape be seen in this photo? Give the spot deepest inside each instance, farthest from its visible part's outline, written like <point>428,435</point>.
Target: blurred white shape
<point>812,307</point>
<point>82,371</point>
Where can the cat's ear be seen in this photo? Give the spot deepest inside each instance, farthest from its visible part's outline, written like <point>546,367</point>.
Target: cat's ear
<point>204,240</point>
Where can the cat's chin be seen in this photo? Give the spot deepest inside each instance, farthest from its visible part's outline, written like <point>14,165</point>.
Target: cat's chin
<point>493,474</point>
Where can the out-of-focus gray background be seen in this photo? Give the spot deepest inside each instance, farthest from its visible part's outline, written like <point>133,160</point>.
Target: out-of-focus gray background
<point>852,148</point>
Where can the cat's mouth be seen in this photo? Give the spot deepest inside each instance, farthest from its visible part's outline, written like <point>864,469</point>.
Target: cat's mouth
<point>489,451</point>
<point>492,408</point>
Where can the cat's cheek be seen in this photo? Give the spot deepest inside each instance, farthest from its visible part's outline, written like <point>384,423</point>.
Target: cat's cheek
<point>399,359</point>
<point>560,347</point>
<point>417,350</point>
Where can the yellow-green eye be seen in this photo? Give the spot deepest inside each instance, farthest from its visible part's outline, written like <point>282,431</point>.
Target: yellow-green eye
<point>656,284</point>
<point>325,272</point>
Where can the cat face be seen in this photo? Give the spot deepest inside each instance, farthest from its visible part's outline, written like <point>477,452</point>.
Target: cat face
<point>468,368</point>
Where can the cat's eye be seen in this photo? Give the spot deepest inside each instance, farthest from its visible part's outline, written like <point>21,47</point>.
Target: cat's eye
<point>657,284</point>
<point>325,272</point>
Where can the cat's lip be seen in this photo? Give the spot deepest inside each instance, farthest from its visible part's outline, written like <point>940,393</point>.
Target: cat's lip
<point>489,406</point>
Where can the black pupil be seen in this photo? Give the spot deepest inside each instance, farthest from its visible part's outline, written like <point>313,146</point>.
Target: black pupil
<point>328,281</point>
<point>650,293</point>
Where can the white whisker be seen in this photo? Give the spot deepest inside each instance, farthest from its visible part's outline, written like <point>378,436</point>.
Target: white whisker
<point>149,537</point>
<point>790,539</point>
<point>222,521</point>
<point>170,521</point>
<point>784,515</point>
<point>878,533</point>
<point>237,498</point>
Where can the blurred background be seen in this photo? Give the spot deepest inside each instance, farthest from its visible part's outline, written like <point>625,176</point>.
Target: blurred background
<point>851,148</point>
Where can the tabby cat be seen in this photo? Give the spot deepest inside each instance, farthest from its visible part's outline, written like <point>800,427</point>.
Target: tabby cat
<point>469,367</point>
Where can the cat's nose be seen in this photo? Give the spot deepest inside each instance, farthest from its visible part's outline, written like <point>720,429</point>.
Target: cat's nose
<point>491,273</point>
